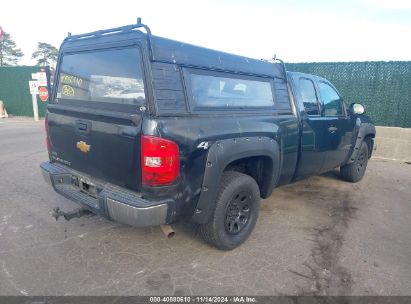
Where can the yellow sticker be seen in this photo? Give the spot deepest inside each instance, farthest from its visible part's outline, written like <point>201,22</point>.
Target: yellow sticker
<point>70,79</point>
<point>67,90</point>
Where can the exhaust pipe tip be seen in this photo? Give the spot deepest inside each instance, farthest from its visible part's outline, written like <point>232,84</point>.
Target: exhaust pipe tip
<point>168,231</point>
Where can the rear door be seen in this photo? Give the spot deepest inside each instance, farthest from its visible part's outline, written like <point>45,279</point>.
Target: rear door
<point>313,146</point>
<point>95,119</point>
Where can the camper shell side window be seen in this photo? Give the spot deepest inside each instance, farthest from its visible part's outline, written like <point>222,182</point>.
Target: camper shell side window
<point>222,91</point>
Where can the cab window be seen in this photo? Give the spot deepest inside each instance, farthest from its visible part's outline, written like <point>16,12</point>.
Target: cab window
<point>308,96</point>
<point>332,102</point>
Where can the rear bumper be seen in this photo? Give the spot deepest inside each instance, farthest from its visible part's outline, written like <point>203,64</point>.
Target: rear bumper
<point>113,202</point>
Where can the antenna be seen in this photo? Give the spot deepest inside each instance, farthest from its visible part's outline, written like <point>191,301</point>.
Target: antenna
<point>139,21</point>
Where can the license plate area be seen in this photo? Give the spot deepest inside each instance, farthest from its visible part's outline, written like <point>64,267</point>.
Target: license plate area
<point>84,186</point>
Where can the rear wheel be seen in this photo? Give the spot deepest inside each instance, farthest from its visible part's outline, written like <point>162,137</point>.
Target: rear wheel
<point>235,213</point>
<point>354,172</point>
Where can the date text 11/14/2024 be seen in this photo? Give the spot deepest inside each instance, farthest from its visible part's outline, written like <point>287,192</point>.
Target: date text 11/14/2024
<point>203,299</point>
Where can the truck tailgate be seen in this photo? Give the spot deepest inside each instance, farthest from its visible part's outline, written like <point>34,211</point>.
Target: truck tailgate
<point>105,147</point>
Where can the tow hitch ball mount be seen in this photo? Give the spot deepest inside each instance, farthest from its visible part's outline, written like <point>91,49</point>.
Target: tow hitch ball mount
<point>56,213</point>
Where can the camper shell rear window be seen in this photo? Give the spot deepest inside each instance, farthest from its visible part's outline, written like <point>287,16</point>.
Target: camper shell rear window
<point>106,76</point>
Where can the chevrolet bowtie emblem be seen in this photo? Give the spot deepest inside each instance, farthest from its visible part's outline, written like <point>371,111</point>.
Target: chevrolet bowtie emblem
<point>83,146</point>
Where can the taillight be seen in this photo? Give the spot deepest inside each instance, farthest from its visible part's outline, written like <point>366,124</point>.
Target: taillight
<point>46,125</point>
<point>159,161</point>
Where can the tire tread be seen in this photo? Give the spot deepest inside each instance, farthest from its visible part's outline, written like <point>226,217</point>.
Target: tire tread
<point>208,230</point>
<point>348,172</point>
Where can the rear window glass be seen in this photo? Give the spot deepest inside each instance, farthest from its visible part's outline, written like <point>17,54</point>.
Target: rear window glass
<point>224,92</point>
<point>309,97</point>
<point>111,76</point>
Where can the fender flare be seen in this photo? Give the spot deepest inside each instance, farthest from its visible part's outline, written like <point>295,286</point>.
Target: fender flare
<point>222,153</point>
<point>364,129</point>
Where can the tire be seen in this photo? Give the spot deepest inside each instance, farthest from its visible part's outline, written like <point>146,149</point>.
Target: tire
<point>355,171</point>
<point>235,213</point>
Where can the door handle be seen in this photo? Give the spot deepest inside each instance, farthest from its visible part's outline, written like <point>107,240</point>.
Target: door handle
<point>332,129</point>
<point>83,126</point>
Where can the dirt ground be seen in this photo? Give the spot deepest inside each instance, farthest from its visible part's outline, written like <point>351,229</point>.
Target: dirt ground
<point>321,236</point>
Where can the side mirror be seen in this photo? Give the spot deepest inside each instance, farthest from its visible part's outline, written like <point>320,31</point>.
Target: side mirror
<point>357,109</point>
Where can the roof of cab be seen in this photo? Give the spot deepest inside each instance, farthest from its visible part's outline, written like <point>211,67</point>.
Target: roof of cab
<point>306,75</point>
<point>171,51</point>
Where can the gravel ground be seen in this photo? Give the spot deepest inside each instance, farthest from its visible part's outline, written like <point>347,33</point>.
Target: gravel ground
<point>320,236</point>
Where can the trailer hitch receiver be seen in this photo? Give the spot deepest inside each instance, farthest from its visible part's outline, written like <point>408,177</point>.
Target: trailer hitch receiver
<point>56,213</point>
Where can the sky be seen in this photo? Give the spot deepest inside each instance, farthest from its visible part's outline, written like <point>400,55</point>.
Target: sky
<point>293,30</point>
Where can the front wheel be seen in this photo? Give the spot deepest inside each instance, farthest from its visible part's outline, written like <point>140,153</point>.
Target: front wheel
<point>235,213</point>
<point>355,171</point>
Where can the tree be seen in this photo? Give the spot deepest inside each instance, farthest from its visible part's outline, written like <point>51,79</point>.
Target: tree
<point>10,54</point>
<point>46,54</point>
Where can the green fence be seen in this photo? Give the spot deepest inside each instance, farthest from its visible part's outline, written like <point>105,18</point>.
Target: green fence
<point>383,87</point>
<point>14,90</point>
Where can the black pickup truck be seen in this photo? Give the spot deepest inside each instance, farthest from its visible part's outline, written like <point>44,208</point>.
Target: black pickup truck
<point>145,131</point>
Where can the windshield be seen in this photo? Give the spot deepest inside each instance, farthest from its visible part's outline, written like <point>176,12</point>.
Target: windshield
<point>111,76</point>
